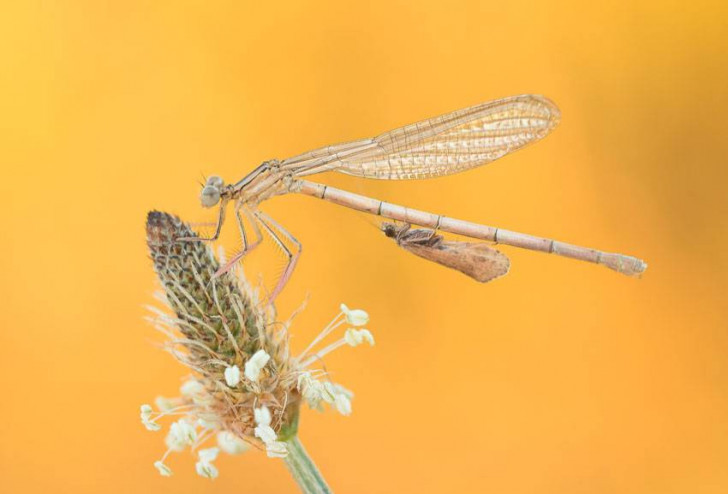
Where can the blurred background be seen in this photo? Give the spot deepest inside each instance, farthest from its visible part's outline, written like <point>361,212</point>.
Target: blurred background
<point>561,377</point>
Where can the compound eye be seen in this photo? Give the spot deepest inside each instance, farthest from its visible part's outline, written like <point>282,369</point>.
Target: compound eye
<point>215,181</point>
<point>210,196</point>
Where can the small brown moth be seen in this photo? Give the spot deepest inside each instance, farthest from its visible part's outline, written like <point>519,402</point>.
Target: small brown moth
<point>475,259</point>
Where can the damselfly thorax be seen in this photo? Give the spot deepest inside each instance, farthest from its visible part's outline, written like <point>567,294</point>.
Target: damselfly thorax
<point>443,145</point>
<point>266,181</point>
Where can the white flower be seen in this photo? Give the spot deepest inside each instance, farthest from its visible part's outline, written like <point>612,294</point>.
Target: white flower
<point>230,443</point>
<point>181,434</point>
<point>208,454</point>
<point>311,389</point>
<point>328,392</point>
<point>343,404</point>
<point>232,376</point>
<point>262,416</point>
<point>164,470</point>
<point>339,389</point>
<point>354,337</point>
<point>338,396</point>
<point>255,364</point>
<point>206,469</point>
<point>265,433</point>
<point>151,426</point>
<point>304,378</point>
<point>191,387</point>
<point>164,404</point>
<point>207,424</point>
<point>145,413</point>
<point>355,317</point>
<point>276,449</point>
<point>204,466</point>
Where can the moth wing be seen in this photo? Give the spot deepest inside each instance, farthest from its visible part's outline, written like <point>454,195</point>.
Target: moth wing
<point>475,259</point>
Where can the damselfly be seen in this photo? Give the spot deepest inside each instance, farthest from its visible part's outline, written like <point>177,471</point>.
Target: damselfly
<point>443,145</point>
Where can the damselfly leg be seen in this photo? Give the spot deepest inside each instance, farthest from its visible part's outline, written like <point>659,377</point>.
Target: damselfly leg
<point>276,231</point>
<point>218,227</point>
<point>246,246</point>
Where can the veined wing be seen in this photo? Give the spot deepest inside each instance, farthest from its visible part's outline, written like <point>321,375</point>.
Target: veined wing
<point>442,145</point>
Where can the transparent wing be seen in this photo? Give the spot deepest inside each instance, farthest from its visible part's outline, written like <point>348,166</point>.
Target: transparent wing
<point>442,145</point>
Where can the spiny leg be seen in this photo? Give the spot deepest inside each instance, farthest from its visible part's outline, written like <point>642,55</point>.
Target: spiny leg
<point>292,256</point>
<point>241,226</point>
<point>246,247</point>
<point>218,227</point>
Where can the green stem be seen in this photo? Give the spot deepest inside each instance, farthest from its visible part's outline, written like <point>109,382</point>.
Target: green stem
<point>302,468</point>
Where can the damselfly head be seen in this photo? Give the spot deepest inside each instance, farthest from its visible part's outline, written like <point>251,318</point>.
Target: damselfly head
<point>211,192</point>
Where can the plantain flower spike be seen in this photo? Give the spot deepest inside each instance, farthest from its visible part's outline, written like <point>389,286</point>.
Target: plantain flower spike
<point>245,388</point>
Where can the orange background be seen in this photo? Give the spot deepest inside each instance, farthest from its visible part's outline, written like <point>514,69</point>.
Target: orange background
<point>562,377</point>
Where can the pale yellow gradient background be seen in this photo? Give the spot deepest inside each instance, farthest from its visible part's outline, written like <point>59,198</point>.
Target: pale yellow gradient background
<point>563,377</point>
